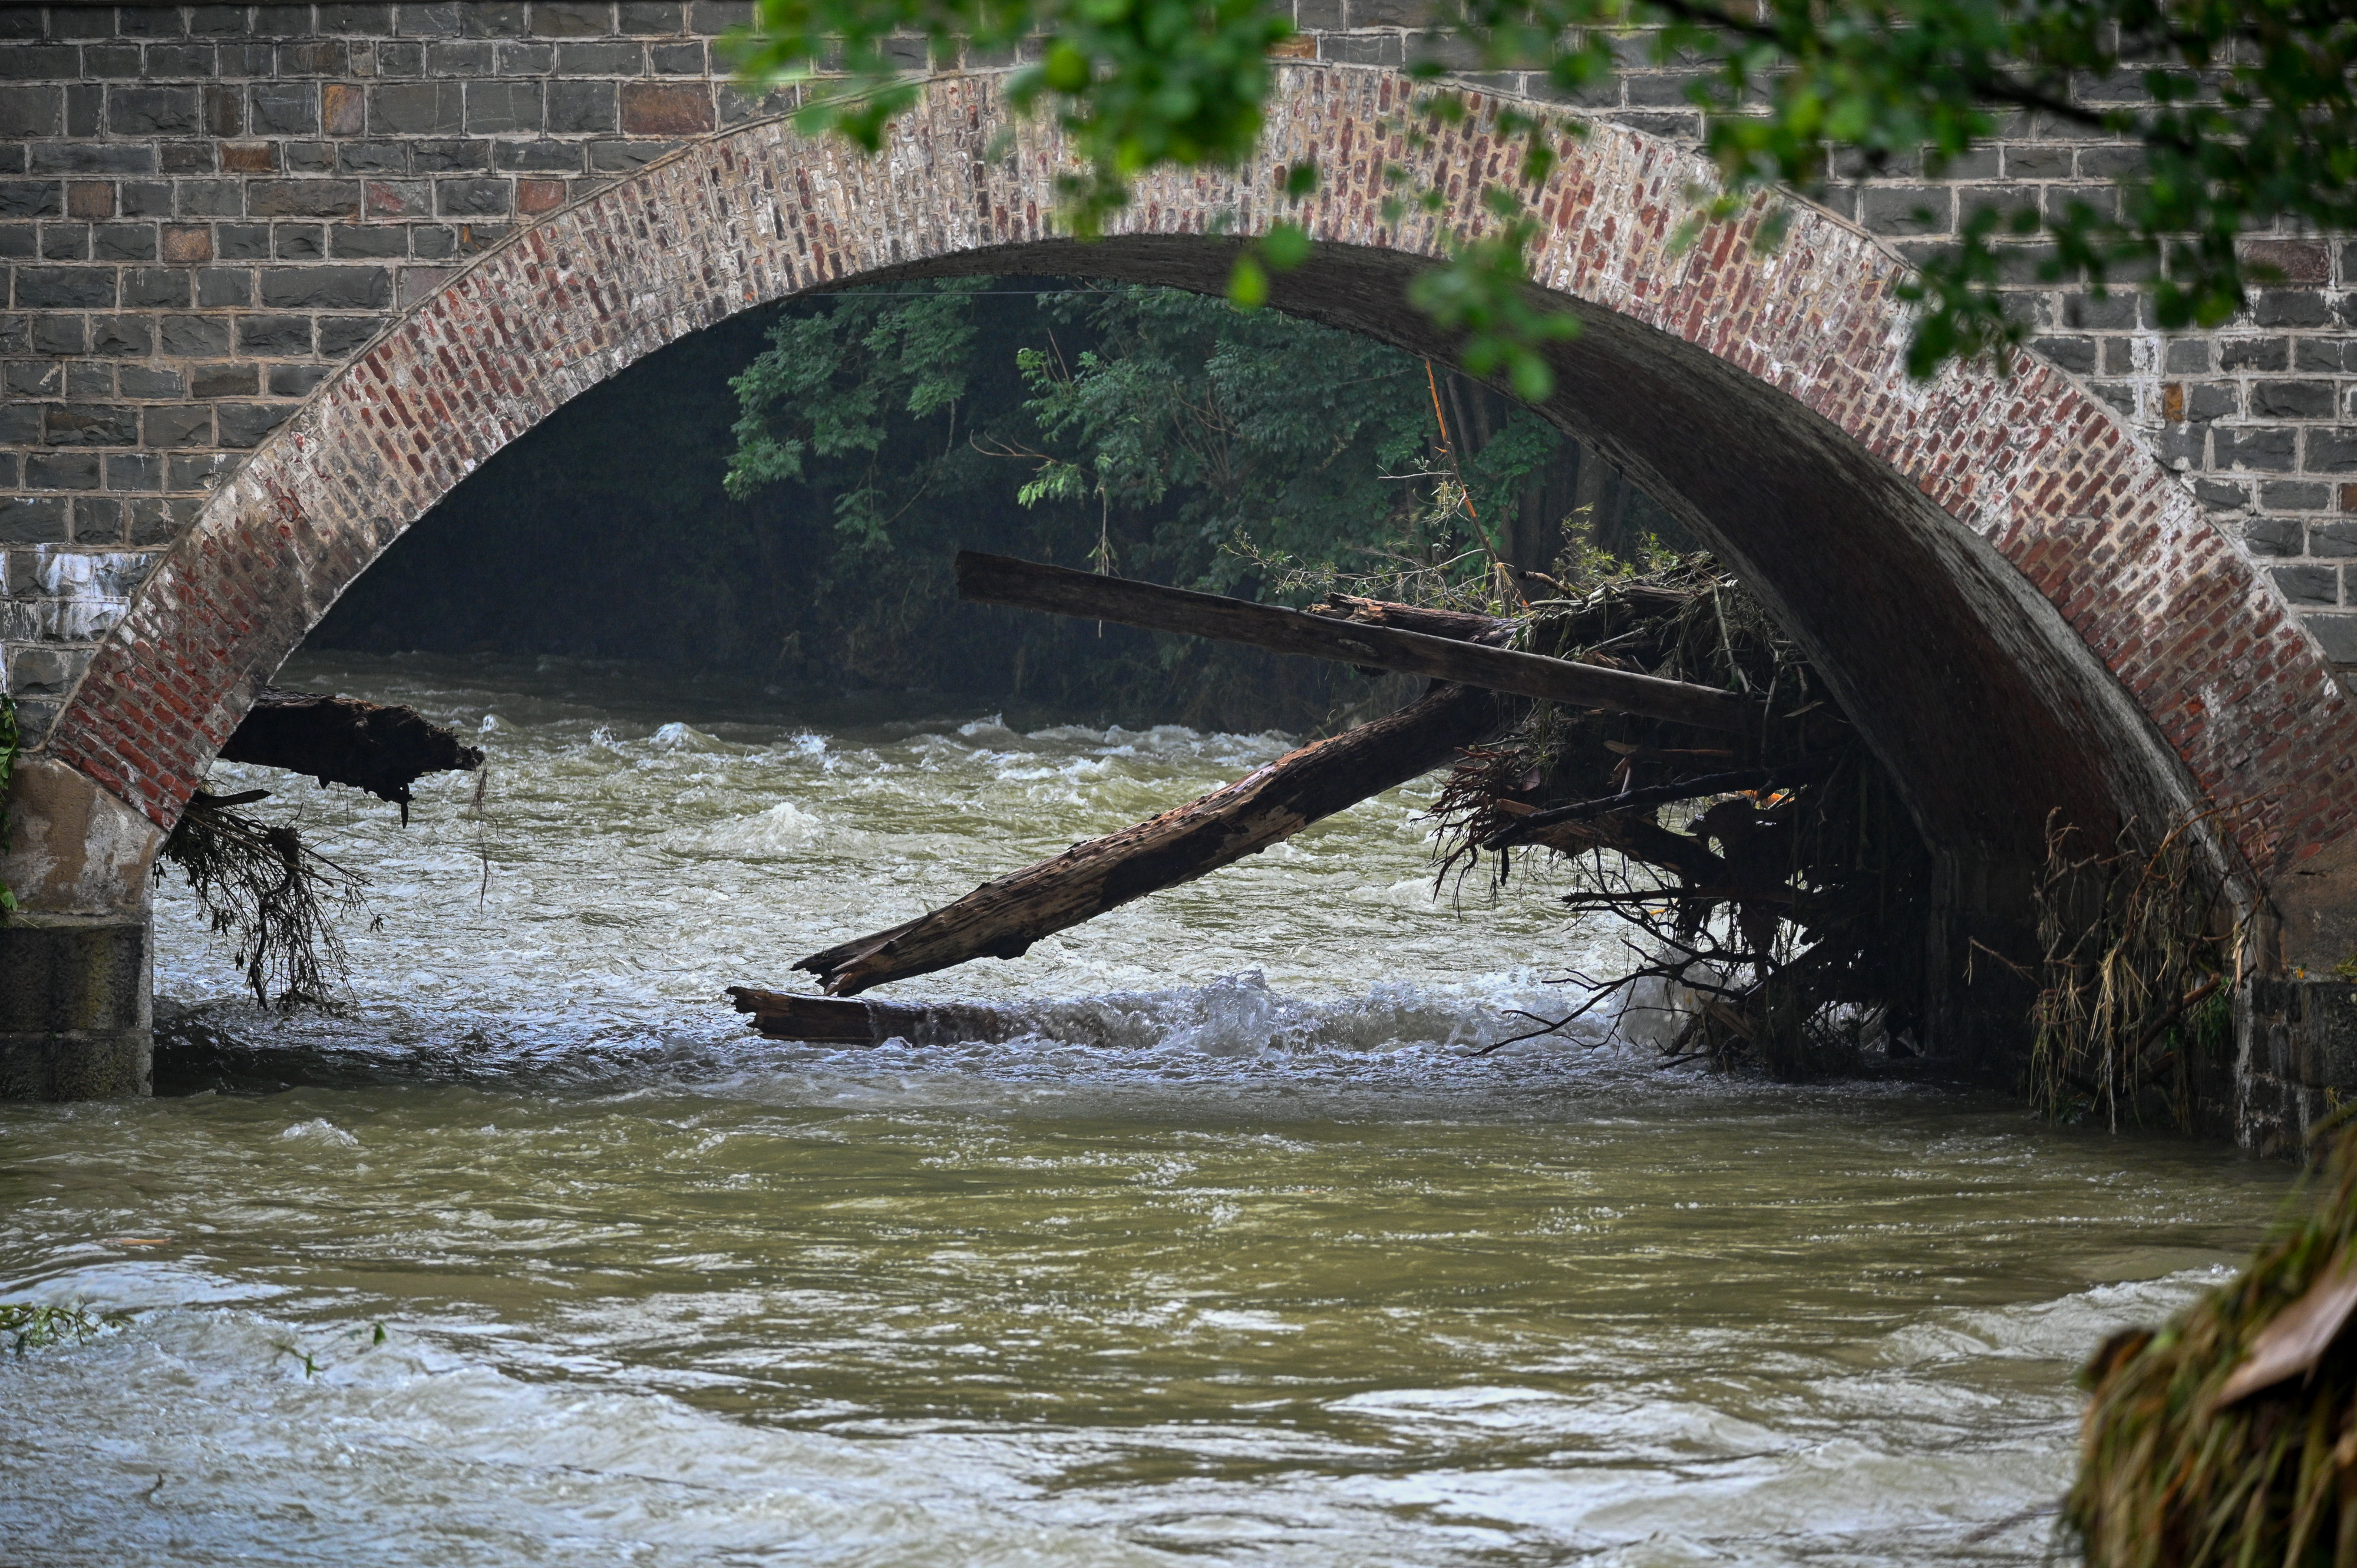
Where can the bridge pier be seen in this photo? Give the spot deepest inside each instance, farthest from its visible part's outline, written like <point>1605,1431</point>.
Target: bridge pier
<point>76,957</point>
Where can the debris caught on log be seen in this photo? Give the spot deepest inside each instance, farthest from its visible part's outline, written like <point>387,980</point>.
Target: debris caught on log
<point>381,748</point>
<point>1784,898</point>
<point>273,896</point>
<point>1003,918</point>
<point>2138,946</point>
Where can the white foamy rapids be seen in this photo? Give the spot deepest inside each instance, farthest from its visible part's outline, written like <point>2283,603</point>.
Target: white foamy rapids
<point>1238,1016</point>
<point>629,866</point>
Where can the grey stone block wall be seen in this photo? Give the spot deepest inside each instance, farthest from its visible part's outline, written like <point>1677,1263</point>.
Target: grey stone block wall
<point>204,209</point>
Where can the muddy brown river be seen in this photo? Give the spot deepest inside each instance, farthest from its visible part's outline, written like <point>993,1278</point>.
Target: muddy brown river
<point>534,1254</point>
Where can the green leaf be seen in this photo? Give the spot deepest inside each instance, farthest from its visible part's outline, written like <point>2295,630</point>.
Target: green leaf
<point>1248,283</point>
<point>1285,247</point>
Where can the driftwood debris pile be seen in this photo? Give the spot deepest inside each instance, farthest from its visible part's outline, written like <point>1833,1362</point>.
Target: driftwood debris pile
<point>1657,730</point>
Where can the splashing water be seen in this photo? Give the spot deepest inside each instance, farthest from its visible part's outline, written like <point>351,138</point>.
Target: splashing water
<point>1237,1254</point>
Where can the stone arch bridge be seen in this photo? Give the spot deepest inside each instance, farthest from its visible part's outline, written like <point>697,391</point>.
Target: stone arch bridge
<point>280,277</point>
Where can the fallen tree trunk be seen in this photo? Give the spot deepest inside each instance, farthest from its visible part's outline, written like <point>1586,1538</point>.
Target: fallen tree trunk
<point>1003,918</point>
<point>376,746</point>
<point>827,1020</point>
<point>1027,584</point>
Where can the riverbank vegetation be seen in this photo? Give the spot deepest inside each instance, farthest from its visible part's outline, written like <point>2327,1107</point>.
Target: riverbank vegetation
<point>2229,1435</point>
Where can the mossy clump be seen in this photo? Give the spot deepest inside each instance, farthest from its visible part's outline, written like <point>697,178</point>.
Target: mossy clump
<point>30,1328</point>
<point>2171,1475</point>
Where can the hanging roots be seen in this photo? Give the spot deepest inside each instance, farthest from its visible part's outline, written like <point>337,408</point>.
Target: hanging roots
<point>1774,883</point>
<point>2141,951</point>
<point>274,897</point>
<point>2230,1437</point>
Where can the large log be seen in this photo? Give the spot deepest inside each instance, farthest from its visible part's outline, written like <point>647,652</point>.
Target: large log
<point>826,1020</point>
<point>376,746</point>
<point>1003,918</point>
<point>1058,590</point>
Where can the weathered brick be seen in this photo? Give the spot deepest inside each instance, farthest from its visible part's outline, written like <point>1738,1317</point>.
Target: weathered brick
<point>193,337</point>
<point>343,109</point>
<point>2309,585</point>
<point>605,57</point>
<point>61,470</point>
<point>369,240</point>
<point>342,335</point>
<point>523,59</point>
<point>300,242</point>
<point>574,107</point>
<point>649,17</point>
<point>572,18</point>
<point>448,157</point>
<point>153,112</point>
<point>284,109</point>
<point>65,289</point>
<point>185,425</point>
<point>274,335</point>
<point>2261,449</point>
<point>122,335</point>
<point>90,425</point>
<point>34,519</point>
<point>666,109</point>
<point>241,242</point>
<point>152,381</point>
<point>372,21</point>
<point>2292,400</point>
<point>303,199</point>
<point>471,198</point>
<point>537,158</point>
<point>493,107</point>
<point>2332,451</point>
<point>155,288</point>
<point>31,199</point>
<point>187,244</point>
<point>2295,495</point>
<point>122,242</point>
<point>295,380</point>
<point>245,424</point>
<point>326,288</point>
<point>400,199</point>
<point>2254,353</point>
<point>493,18</point>
<point>32,112</point>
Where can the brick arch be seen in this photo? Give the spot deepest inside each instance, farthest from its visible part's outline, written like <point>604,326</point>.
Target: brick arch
<point>2022,607</point>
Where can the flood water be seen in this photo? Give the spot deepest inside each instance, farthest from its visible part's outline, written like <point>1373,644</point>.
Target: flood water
<point>1243,1257</point>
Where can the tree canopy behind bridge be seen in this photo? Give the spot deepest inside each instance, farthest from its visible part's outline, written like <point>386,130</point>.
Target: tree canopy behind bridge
<point>2242,110</point>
